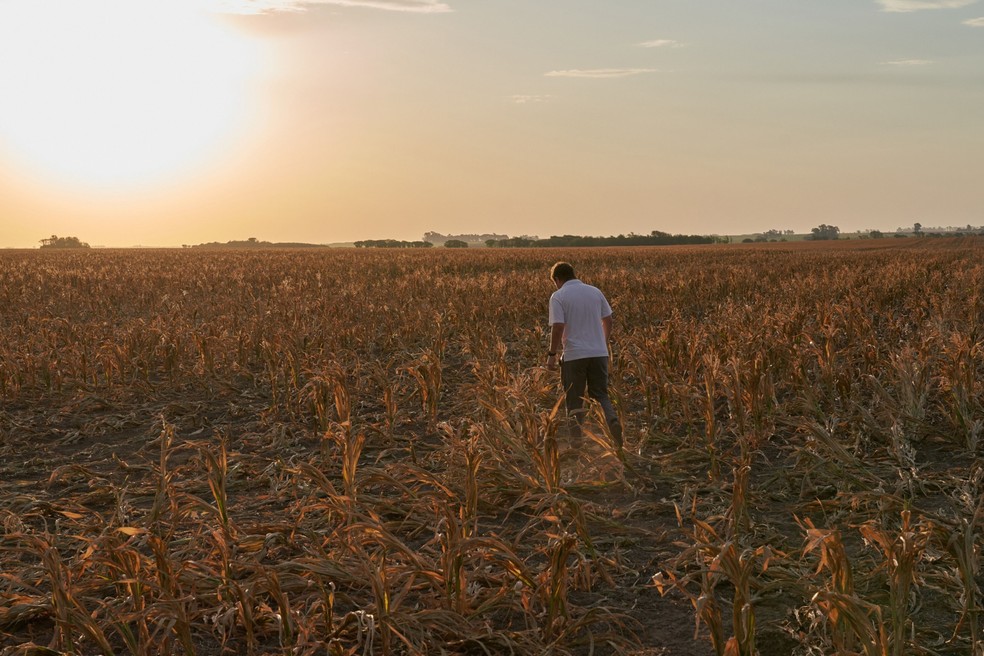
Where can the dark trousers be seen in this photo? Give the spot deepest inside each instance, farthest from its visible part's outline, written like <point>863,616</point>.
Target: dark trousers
<point>593,374</point>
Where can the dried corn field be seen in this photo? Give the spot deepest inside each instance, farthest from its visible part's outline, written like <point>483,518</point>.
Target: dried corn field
<point>358,452</point>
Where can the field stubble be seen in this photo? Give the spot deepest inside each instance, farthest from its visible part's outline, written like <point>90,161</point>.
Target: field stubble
<point>357,452</point>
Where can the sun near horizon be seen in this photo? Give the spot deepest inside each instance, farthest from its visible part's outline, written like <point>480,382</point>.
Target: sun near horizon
<point>120,94</point>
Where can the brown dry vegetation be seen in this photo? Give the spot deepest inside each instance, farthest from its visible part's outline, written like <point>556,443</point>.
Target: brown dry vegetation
<point>358,453</point>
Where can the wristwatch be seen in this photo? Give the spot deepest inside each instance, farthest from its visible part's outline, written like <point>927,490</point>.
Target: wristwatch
<point>551,354</point>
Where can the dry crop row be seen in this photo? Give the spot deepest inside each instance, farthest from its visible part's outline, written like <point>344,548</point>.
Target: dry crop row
<point>287,452</point>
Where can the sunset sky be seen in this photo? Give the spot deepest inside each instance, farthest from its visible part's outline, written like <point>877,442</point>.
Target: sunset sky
<point>142,122</point>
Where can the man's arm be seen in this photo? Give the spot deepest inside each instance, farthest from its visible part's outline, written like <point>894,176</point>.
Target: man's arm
<point>557,337</point>
<point>556,342</point>
<point>606,325</point>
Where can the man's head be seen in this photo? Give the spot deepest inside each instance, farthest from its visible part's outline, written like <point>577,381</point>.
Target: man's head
<point>561,273</point>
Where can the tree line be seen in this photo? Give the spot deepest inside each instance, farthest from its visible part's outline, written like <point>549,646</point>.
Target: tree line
<point>252,242</point>
<point>392,243</point>
<point>655,238</point>
<point>475,238</point>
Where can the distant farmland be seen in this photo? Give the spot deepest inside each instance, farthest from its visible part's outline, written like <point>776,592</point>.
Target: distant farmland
<point>357,452</point>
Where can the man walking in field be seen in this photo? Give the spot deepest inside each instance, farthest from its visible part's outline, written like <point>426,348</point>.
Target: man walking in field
<point>580,324</point>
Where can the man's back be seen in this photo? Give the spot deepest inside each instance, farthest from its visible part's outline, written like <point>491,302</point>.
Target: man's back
<point>580,307</point>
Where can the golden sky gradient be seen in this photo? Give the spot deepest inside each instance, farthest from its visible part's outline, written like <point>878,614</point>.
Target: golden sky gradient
<point>136,122</point>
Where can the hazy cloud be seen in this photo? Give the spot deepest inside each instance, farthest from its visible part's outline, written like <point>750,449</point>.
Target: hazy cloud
<point>524,99</point>
<point>908,62</point>
<point>661,43</point>
<point>975,22</point>
<point>268,6</point>
<point>600,72</point>
<point>918,5</point>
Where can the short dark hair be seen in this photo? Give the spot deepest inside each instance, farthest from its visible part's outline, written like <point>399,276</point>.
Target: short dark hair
<point>562,271</point>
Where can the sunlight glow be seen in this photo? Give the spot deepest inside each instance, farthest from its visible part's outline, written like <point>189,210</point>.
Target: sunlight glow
<point>110,93</point>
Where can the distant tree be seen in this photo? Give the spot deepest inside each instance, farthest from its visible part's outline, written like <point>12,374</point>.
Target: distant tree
<point>876,234</point>
<point>455,243</point>
<point>917,228</point>
<point>63,242</point>
<point>825,232</point>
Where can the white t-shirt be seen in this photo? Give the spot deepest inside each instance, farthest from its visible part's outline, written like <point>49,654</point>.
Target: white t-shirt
<point>580,308</point>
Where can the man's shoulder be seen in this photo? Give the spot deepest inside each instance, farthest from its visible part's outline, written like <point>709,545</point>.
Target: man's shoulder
<point>586,289</point>
<point>579,293</point>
